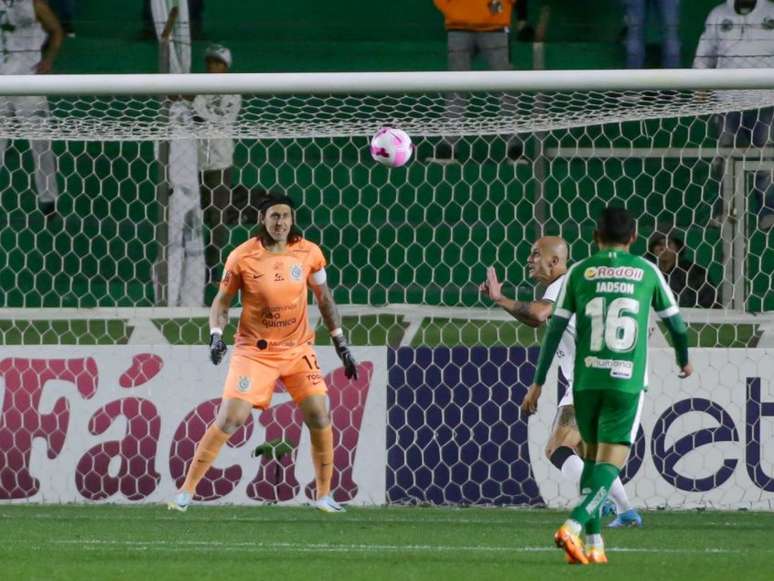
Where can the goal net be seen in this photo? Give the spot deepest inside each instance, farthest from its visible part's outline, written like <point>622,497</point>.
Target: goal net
<point>111,253</point>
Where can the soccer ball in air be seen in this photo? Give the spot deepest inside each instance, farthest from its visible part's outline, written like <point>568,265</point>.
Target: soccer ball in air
<point>391,147</point>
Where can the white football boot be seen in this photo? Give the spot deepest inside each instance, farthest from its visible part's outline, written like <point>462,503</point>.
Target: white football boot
<point>327,504</point>
<point>181,502</point>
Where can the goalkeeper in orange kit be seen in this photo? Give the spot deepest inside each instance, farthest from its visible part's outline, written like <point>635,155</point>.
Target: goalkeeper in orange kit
<point>273,271</point>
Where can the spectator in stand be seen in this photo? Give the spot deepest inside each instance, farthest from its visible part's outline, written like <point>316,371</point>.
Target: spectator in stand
<point>195,15</point>
<point>636,17</point>
<point>65,9</point>
<point>216,160</point>
<point>740,34</point>
<point>476,27</point>
<point>25,26</point>
<point>689,282</point>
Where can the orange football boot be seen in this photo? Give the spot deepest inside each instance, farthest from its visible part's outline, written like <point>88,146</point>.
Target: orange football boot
<point>596,556</point>
<point>572,545</point>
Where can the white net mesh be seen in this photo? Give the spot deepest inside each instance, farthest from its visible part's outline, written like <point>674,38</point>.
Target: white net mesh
<point>319,116</point>
<point>407,248</point>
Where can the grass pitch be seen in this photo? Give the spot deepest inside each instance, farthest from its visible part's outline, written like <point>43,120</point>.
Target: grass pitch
<point>362,330</point>
<point>284,544</point>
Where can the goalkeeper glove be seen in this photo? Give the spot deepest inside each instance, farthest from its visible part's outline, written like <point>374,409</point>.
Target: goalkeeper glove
<point>217,346</point>
<point>342,350</point>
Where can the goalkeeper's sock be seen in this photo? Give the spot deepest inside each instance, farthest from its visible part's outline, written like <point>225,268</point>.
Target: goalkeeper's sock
<point>206,452</point>
<point>322,458</point>
<point>602,476</point>
<point>619,496</point>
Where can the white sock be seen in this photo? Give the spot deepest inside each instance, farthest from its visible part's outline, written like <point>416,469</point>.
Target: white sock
<point>574,526</point>
<point>618,494</point>
<point>571,470</point>
<point>595,541</point>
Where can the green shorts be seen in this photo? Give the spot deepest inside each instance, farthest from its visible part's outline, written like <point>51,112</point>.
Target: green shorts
<point>608,416</point>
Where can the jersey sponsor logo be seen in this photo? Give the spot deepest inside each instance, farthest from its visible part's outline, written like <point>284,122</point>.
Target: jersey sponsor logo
<point>625,272</point>
<point>243,384</point>
<point>278,277</point>
<point>277,323</point>
<point>615,287</point>
<point>296,272</point>
<point>273,312</point>
<point>618,369</point>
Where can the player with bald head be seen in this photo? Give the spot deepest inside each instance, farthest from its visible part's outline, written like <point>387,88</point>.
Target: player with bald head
<point>547,265</point>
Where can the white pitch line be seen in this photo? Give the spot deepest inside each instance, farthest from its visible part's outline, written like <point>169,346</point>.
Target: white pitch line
<point>163,545</point>
<point>452,520</point>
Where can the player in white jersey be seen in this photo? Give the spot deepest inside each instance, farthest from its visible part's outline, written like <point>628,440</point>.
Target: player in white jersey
<point>547,265</point>
<point>24,27</point>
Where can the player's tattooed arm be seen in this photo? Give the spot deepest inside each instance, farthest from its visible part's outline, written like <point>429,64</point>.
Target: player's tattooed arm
<point>534,313</point>
<point>332,320</point>
<point>328,309</point>
<point>219,310</point>
<point>218,322</point>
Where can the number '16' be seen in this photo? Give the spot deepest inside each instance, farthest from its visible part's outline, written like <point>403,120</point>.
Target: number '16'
<point>617,330</point>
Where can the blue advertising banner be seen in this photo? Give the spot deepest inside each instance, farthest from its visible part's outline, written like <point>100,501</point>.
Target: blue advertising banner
<point>455,434</point>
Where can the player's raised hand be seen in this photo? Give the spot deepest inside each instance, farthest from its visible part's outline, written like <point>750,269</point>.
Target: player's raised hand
<point>686,370</point>
<point>530,404</point>
<point>347,359</point>
<point>217,348</point>
<point>492,287</point>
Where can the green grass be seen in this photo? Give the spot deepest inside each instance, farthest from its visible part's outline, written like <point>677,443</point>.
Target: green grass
<point>368,330</point>
<point>142,542</point>
<point>449,332</point>
<point>738,336</point>
<point>720,335</point>
<point>364,330</point>
<point>66,332</point>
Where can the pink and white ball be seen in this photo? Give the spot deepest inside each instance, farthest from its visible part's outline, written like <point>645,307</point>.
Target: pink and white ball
<point>391,147</point>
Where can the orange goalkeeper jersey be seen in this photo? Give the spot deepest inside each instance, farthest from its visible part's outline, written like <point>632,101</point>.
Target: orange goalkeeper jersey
<point>274,293</point>
<point>479,15</point>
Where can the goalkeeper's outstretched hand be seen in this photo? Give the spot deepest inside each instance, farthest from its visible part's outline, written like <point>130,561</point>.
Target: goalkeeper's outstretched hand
<point>217,348</point>
<point>347,360</point>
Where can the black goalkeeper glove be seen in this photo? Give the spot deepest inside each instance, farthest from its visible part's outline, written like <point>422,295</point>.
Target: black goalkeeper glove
<point>217,348</point>
<point>347,360</point>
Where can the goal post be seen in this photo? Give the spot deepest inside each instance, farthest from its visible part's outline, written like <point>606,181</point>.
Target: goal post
<point>121,385</point>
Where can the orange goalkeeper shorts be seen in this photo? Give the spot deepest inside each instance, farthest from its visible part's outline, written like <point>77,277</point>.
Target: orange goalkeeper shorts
<point>253,377</point>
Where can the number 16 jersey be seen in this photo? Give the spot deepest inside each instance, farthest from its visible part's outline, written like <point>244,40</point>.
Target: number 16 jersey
<point>610,294</point>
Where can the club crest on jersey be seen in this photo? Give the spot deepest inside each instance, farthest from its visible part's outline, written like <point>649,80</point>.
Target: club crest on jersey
<point>244,384</point>
<point>625,272</point>
<point>296,272</point>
